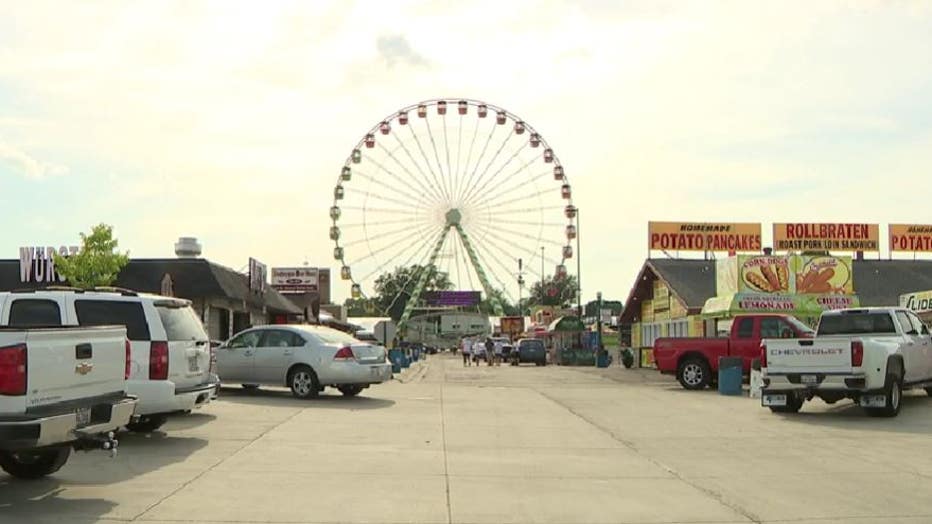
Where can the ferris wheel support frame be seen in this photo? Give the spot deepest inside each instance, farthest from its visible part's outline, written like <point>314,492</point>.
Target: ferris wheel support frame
<point>453,219</point>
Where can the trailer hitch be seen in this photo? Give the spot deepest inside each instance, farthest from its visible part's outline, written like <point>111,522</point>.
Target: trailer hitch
<point>97,441</point>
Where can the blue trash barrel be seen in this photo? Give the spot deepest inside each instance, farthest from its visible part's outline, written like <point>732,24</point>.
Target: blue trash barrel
<point>730,375</point>
<point>415,354</point>
<point>602,359</point>
<point>407,360</point>
<point>396,357</point>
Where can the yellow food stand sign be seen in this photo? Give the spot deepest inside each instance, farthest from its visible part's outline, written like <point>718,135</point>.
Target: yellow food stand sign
<point>914,238</point>
<point>703,236</point>
<point>799,236</point>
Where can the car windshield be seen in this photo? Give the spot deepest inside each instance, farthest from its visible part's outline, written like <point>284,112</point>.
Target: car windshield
<point>856,323</point>
<point>181,323</point>
<point>800,326</point>
<point>332,336</point>
<point>531,344</point>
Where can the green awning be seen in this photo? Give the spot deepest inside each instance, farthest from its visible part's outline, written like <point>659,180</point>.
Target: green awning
<point>566,325</point>
<point>797,305</point>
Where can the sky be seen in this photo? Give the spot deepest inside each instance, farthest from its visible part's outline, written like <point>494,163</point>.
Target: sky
<point>229,121</point>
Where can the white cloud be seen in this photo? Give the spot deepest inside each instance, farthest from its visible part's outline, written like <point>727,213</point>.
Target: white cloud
<point>21,163</point>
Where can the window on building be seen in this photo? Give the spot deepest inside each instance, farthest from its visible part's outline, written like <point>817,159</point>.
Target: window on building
<point>679,328</point>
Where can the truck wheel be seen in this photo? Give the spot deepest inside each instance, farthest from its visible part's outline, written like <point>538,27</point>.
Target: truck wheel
<point>303,382</point>
<point>694,373</point>
<point>793,404</point>
<point>147,423</point>
<point>36,463</point>
<point>893,390</point>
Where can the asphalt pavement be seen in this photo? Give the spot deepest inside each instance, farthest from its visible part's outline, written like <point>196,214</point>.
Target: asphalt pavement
<point>477,445</point>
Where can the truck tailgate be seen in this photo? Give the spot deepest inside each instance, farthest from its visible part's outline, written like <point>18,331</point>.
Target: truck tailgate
<point>67,364</point>
<point>819,355</point>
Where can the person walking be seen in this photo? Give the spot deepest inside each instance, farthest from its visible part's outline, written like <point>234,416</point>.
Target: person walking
<point>489,350</point>
<point>499,352</point>
<point>467,350</point>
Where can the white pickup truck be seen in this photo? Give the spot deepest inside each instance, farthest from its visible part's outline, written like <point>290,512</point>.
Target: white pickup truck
<point>869,355</point>
<point>60,388</point>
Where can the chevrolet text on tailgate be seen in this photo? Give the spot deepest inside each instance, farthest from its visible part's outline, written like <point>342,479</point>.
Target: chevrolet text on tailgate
<point>868,355</point>
<point>60,388</point>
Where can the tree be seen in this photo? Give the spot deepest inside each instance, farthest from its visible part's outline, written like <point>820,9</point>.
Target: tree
<point>508,308</point>
<point>592,307</point>
<point>361,307</point>
<point>555,292</point>
<point>393,290</point>
<point>97,264</point>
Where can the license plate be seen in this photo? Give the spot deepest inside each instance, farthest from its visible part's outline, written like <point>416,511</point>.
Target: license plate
<point>82,417</point>
<point>773,400</point>
<point>192,365</point>
<point>873,401</point>
<point>374,372</point>
<point>809,379</point>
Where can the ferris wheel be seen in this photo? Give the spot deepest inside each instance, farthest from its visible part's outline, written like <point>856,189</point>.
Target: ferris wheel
<point>458,186</point>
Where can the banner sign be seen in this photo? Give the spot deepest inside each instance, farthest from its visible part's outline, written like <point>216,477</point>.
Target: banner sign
<point>823,237</point>
<point>258,274</point>
<point>910,237</point>
<point>793,274</point>
<point>920,302</point>
<point>452,298</point>
<point>295,279</point>
<point>703,236</point>
<point>799,305</point>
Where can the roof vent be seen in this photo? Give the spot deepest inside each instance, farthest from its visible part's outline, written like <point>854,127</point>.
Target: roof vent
<point>187,247</point>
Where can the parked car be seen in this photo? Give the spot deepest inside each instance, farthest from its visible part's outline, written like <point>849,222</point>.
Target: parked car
<point>304,358</point>
<point>60,389</point>
<point>869,355</point>
<point>532,350</point>
<point>171,364</point>
<point>694,360</point>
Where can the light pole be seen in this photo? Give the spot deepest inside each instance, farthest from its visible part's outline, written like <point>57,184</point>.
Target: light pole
<point>520,286</point>
<point>598,321</point>
<point>541,275</point>
<point>578,270</point>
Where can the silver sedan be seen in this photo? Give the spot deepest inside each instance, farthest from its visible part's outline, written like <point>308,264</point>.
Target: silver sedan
<point>304,358</point>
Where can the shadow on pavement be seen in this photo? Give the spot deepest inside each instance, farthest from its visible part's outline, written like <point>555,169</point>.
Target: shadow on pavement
<point>846,415</point>
<point>40,500</point>
<point>190,420</point>
<point>283,398</point>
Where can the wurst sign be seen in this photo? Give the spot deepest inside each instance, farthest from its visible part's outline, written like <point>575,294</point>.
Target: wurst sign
<point>910,237</point>
<point>703,236</point>
<point>840,237</point>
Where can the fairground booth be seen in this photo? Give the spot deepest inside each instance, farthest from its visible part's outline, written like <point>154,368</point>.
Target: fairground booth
<point>806,274</point>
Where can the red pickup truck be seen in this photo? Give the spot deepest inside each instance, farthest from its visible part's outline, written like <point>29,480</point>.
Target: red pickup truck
<point>694,360</point>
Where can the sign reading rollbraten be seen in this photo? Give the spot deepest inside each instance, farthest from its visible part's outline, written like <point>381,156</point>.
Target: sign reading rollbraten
<point>910,237</point>
<point>703,236</point>
<point>839,237</point>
